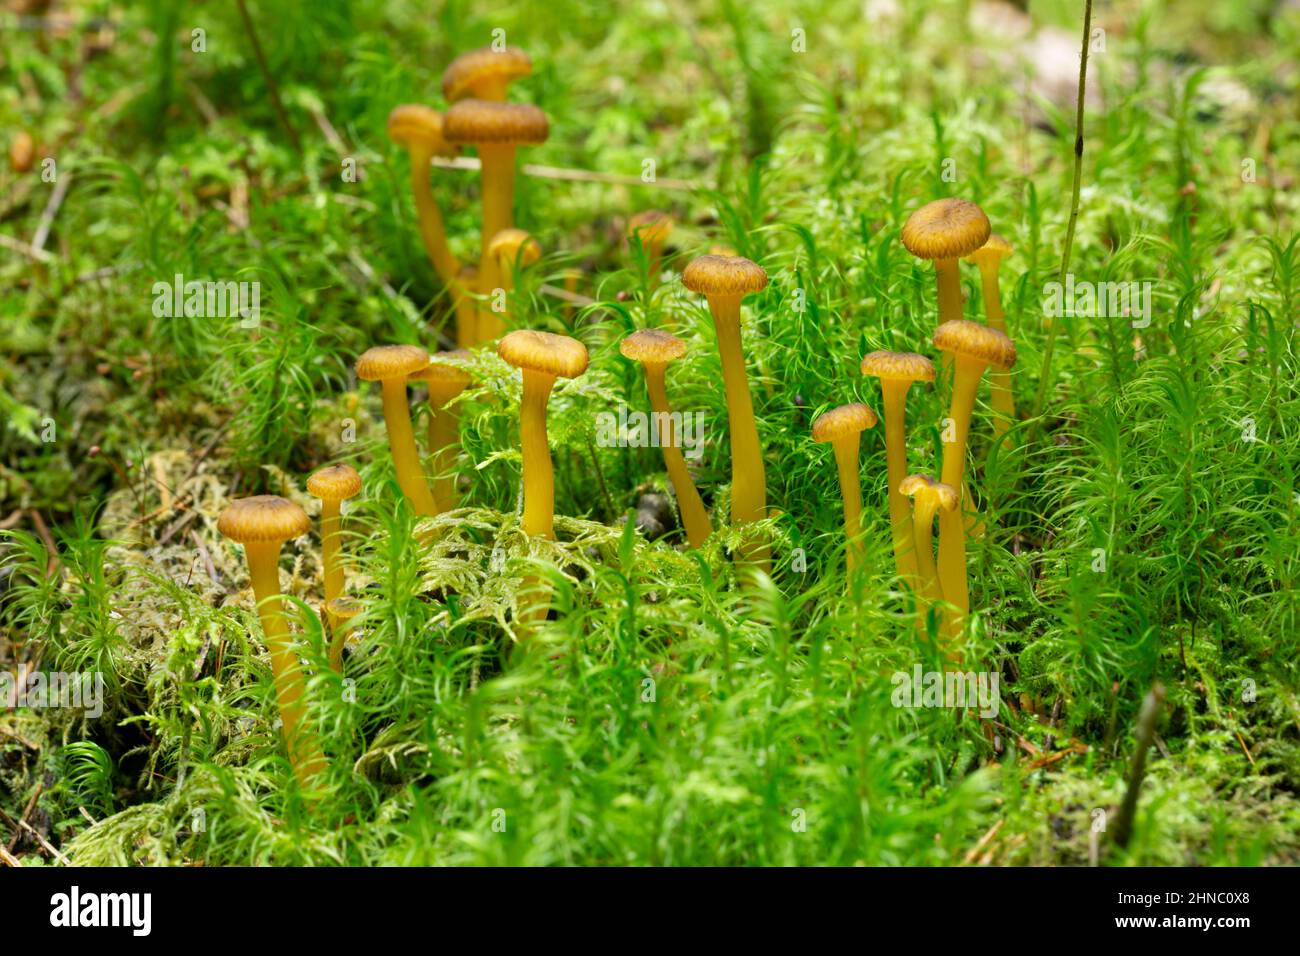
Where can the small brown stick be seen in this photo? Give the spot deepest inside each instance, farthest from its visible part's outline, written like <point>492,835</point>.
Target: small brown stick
<point>8,858</point>
<point>207,558</point>
<point>51,210</point>
<point>983,842</point>
<point>564,295</point>
<point>1146,731</point>
<point>271,86</point>
<point>51,548</point>
<point>572,175</point>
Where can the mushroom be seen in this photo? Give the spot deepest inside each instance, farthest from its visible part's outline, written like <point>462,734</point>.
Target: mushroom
<point>497,129</point>
<point>842,427</point>
<point>651,228</point>
<point>944,231</point>
<point>725,281</point>
<point>654,349</point>
<point>928,496</point>
<point>340,611</point>
<point>418,130</point>
<point>466,308</point>
<point>333,485</point>
<point>897,371</point>
<point>512,249</point>
<point>261,524</point>
<point>542,357</point>
<point>390,365</point>
<point>445,380</point>
<point>970,347</point>
<point>484,73</point>
<point>988,257</point>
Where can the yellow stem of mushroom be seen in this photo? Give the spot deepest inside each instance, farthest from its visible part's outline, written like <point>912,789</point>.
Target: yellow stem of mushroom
<point>331,552</point>
<point>444,443</point>
<point>430,218</point>
<point>1002,399</point>
<point>748,479</point>
<point>949,281</point>
<point>498,170</point>
<point>466,313</point>
<point>338,638</point>
<point>952,546</point>
<point>303,747</point>
<point>929,590</point>
<point>846,461</point>
<point>401,442</point>
<point>695,519</point>
<point>539,477</point>
<point>950,526</point>
<point>894,396</point>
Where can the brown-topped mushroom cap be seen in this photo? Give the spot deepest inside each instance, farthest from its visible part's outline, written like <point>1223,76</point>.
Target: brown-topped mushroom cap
<point>923,486</point>
<point>724,275</point>
<point>544,352</point>
<point>344,609</point>
<point>994,250</point>
<point>413,124</point>
<point>946,229</point>
<point>653,346</point>
<point>390,361</point>
<point>263,518</point>
<point>334,483</point>
<point>483,122</point>
<point>441,371</point>
<point>898,366</point>
<point>653,225</point>
<point>843,420</point>
<point>484,63</point>
<point>515,245</point>
<point>970,338</point>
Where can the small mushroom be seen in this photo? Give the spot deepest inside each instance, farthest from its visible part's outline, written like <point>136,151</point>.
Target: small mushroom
<point>445,379</point>
<point>897,371</point>
<point>988,258</point>
<point>943,231</point>
<point>389,365</point>
<point>651,228</point>
<point>485,73</point>
<point>262,524</point>
<point>333,485</point>
<point>724,281</point>
<point>341,611</point>
<point>842,427</point>
<point>512,249</point>
<point>654,349</point>
<point>418,130</point>
<point>928,497</point>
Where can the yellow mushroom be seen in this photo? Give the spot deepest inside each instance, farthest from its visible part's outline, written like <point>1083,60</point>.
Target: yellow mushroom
<point>333,485</point>
<point>466,308</point>
<point>389,365</point>
<point>988,258</point>
<point>512,249</point>
<point>928,497</point>
<point>943,231</point>
<point>445,379</point>
<point>485,73</point>
<point>340,611</point>
<point>652,229</point>
<point>654,349</point>
<point>418,130</point>
<point>842,427</point>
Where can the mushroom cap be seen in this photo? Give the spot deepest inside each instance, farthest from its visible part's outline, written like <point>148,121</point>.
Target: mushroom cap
<point>390,361</point>
<point>946,229</point>
<point>334,483</point>
<point>515,245</point>
<point>994,250</point>
<point>652,225</point>
<point>724,275</point>
<point>345,608</point>
<point>546,352</point>
<point>474,66</point>
<point>923,486</point>
<point>898,366</point>
<point>970,338</point>
<point>441,372</point>
<point>263,518</point>
<point>653,346</point>
<point>486,122</point>
<point>412,123</point>
<point>843,420</point>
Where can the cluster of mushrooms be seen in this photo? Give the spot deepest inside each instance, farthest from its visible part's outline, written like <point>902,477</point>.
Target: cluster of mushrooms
<point>475,85</point>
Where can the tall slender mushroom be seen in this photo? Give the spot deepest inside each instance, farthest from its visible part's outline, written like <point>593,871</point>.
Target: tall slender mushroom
<point>512,249</point>
<point>724,281</point>
<point>389,365</point>
<point>944,231</point>
<point>485,73</point>
<point>340,611</point>
<point>262,524</point>
<point>466,308</point>
<point>928,496</point>
<point>445,379</point>
<point>497,129</point>
<point>988,258</point>
<point>333,485</point>
<point>542,357</point>
<point>897,371</point>
<point>418,130</point>
<point>970,348</point>
<point>651,228</point>
<point>654,349</point>
<point>842,426</point>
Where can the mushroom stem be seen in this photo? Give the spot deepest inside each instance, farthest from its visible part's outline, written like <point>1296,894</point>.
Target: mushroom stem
<point>466,308</point>
<point>263,569</point>
<point>949,282</point>
<point>952,545</point>
<point>951,526</point>
<point>1002,398</point>
<point>846,461</point>
<point>432,232</point>
<point>539,476</point>
<point>401,442</point>
<point>498,170</point>
<point>894,396</point>
<point>695,519</point>
<point>331,554</point>
<point>929,590</point>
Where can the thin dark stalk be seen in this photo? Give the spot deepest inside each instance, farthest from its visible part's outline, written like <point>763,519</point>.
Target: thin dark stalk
<point>1146,731</point>
<point>272,87</point>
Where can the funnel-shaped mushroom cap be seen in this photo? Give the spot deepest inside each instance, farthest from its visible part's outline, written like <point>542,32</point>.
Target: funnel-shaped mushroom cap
<point>843,420</point>
<point>898,366</point>
<point>924,487</point>
<point>485,122</point>
<point>413,124</point>
<point>993,251</point>
<point>475,66</point>
<point>444,372</point>
<point>970,338</point>
<point>946,229</point>
<point>544,352</point>
<point>344,609</point>
<point>653,225</point>
<point>390,361</point>
<point>652,346</point>
<point>515,245</point>
<point>724,275</point>
<point>334,483</point>
<point>263,518</point>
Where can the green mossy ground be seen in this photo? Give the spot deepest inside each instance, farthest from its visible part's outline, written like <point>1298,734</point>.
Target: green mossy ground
<point>665,716</point>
